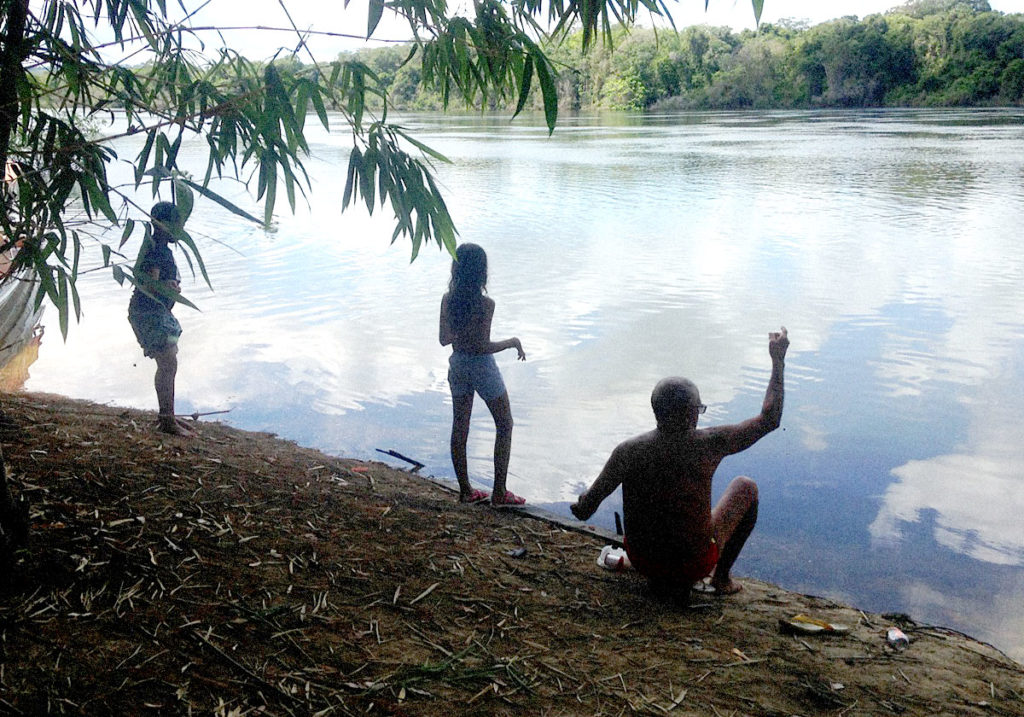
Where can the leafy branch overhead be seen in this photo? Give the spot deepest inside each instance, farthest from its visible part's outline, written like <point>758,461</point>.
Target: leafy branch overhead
<point>381,169</point>
<point>57,81</point>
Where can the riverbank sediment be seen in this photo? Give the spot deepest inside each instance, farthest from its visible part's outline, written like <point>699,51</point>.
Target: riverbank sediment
<point>238,573</point>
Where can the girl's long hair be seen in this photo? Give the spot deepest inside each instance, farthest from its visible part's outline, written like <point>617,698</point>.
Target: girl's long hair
<point>467,285</point>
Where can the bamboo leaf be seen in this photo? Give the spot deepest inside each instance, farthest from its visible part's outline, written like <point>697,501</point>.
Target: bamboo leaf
<point>129,227</point>
<point>289,186</point>
<point>524,85</point>
<point>214,197</point>
<point>47,285</point>
<point>180,299</point>
<point>185,239</point>
<point>372,159</point>
<point>271,197</point>
<point>76,300</point>
<point>97,196</point>
<point>302,92</point>
<point>422,147</point>
<point>62,303</point>
<point>549,92</point>
<point>172,152</point>
<point>357,99</point>
<point>376,11</point>
<point>141,13</point>
<point>76,255</point>
<point>185,200</point>
<point>143,158</point>
<point>318,105</point>
<point>412,53</point>
<point>355,159</point>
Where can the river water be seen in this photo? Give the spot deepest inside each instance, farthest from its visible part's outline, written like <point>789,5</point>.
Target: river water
<point>624,249</point>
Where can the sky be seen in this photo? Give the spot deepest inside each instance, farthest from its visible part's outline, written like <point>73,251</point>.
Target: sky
<point>350,20</point>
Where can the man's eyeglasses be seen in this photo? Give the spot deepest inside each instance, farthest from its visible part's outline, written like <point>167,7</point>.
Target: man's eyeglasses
<point>700,408</point>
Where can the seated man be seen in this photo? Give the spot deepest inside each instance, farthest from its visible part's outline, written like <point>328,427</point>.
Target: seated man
<point>672,535</point>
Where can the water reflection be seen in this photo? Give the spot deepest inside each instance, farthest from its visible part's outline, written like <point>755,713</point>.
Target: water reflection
<point>624,252</point>
<point>976,493</point>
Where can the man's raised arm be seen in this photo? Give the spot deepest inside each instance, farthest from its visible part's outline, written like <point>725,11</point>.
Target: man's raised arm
<point>771,410</point>
<point>743,435</point>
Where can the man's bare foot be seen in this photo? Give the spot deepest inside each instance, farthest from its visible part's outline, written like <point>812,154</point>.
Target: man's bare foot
<point>728,587</point>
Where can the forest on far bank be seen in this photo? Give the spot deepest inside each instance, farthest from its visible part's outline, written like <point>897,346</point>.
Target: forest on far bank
<point>925,53</point>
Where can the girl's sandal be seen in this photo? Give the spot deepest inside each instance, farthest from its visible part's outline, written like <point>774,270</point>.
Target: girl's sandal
<point>475,496</point>
<point>510,500</point>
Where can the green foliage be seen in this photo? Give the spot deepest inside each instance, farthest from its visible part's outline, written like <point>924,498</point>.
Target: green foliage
<point>1011,83</point>
<point>623,93</point>
<point>856,64</point>
<point>923,8</point>
<point>927,52</point>
<point>489,58</point>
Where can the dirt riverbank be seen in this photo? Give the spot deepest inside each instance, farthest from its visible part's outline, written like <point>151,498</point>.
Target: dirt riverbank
<point>236,573</point>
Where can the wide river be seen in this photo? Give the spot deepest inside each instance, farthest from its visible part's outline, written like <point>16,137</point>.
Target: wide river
<point>624,249</point>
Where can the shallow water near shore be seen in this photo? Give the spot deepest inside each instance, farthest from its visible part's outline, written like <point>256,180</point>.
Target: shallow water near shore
<point>623,249</point>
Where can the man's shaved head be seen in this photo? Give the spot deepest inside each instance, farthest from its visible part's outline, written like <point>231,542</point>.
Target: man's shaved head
<point>672,400</point>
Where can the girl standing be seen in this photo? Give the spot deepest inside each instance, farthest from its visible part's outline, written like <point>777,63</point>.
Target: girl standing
<point>466,313</point>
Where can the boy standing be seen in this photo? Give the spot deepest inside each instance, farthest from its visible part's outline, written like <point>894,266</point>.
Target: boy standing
<point>149,312</point>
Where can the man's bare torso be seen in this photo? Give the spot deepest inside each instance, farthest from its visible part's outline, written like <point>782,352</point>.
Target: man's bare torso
<point>666,491</point>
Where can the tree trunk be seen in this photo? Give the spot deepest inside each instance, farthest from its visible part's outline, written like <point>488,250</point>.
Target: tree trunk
<point>13,513</point>
<point>11,57</point>
<point>13,522</point>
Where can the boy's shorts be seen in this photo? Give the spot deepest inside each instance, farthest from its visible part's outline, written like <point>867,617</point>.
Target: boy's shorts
<point>155,330</point>
<point>475,372</point>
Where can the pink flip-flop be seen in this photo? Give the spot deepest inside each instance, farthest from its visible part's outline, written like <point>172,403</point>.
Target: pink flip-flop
<point>477,496</point>
<point>511,500</point>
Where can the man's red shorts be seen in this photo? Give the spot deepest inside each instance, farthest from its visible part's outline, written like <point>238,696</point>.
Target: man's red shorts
<point>665,567</point>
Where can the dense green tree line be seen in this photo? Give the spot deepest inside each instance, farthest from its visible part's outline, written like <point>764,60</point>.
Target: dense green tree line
<point>923,53</point>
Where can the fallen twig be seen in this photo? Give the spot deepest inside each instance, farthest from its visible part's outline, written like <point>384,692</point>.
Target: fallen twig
<point>245,670</point>
<point>395,454</point>
<point>195,415</point>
